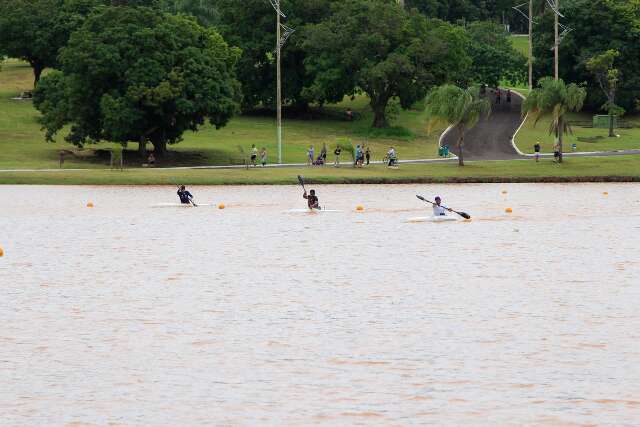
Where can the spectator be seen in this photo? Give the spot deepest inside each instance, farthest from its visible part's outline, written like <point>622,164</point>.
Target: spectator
<point>151,160</point>
<point>254,155</point>
<point>367,155</point>
<point>310,155</point>
<point>263,156</point>
<point>536,150</point>
<point>337,152</point>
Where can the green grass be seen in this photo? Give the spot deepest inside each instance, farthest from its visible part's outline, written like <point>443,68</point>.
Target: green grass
<point>573,169</point>
<point>22,142</point>
<point>530,133</point>
<point>520,43</point>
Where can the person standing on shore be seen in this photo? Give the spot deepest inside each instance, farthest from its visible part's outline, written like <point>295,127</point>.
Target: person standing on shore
<point>254,155</point>
<point>556,151</point>
<point>337,152</point>
<point>263,156</point>
<point>310,155</point>
<point>367,155</point>
<point>536,150</point>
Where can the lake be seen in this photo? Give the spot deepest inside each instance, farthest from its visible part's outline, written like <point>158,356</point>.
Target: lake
<point>126,314</point>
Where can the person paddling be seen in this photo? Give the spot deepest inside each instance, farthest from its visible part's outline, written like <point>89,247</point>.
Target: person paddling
<point>185,197</point>
<point>312,199</point>
<point>438,210</point>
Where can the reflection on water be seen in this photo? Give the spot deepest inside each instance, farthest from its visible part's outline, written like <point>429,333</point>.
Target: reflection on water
<point>127,315</point>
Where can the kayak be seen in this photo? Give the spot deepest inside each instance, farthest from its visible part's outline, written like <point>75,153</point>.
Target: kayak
<point>177,205</point>
<point>432,219</point>
<point>311,211</point>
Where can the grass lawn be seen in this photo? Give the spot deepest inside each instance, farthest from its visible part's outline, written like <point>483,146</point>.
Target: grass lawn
<point>530,133</point>
<point>521,43</point>
<point>22,143</point>
<point>601,168</point>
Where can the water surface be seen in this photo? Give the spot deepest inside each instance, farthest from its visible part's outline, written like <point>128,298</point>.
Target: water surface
<point>127,315</point>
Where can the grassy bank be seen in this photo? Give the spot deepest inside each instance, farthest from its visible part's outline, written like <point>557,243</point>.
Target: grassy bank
<point>585,138</point>
<point>22,143</point>
<point>574,169</point>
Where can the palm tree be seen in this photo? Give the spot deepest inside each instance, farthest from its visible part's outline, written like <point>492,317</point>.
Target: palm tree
<point>459,108</point>
<point>554,98</point>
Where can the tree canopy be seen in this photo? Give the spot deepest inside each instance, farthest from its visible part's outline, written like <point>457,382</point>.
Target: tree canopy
<point>136,74</point>
<point>377,47</point>
<point>35,30</point>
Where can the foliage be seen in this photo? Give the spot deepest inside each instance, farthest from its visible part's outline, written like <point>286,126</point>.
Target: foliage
<point>459,108</point>
<point>554,98</point>
<point>205,11</point>
<point>251,25</point>
<point>494,57</point>
<point>136,74</point>
<point>35,30</point>
<point>608,79</point>
<point>597,26</point>
<point>377,47</point>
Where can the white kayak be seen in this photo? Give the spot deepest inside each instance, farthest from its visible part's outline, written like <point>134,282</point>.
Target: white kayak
<point>178,205</point>
<point>442,218</point>
<point>311,211</point>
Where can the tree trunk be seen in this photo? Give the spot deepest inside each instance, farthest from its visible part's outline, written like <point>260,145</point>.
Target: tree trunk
<point>379,116</point>
<point>460,147</point>
<point>37,72</point>
<point>611,101</point>
<point>560,136</point>
<point>142,149</point>
<point>159,148</point>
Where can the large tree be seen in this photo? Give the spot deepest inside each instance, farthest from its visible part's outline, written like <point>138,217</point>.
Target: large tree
<point>35,30</point>
<point>494,57</point>
<point>377,47</point>
<point>137,74</point>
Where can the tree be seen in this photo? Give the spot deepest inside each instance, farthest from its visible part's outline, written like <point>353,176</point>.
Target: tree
<point>608,79</point>
<point>554,98</point>
<point>377,47</point>
<point>494,57</point>
<point>459,108</point>
<point>251,25</point>
<point>596,26</point>
<point>35,30</point>
<point>205,11</point>
<point>137,74</point>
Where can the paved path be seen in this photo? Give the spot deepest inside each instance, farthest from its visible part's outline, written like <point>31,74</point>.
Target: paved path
<point>490,139</point>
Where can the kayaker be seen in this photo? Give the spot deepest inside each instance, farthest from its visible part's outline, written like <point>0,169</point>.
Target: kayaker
<point>185,197</point>
<point>438,210</point>
<point>312,199</point>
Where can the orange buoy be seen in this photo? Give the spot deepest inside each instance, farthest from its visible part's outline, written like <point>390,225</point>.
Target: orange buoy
<point>1,252</point>
<point>90,205</point>
<point>359,208</point>
<point>508,210</point>
<point>221,206</point>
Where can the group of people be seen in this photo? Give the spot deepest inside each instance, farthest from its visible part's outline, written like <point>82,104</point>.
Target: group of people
<point>255,153</point>
<point>312,200</point>
<point>556,151</point>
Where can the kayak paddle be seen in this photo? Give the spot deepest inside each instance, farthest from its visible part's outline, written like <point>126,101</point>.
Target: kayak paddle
<point>462,214</point>
<point>301,181</point>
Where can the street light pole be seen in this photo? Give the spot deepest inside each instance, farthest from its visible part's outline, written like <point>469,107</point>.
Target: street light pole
<point>557,38</point>
<point>530,44</point>
<point>278,84</point>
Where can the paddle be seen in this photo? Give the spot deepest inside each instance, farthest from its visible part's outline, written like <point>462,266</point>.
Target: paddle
<point>462,214</point>
<point>301,181</point>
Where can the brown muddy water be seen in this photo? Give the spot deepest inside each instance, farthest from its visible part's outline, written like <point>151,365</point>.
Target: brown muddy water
<point>128,315</point>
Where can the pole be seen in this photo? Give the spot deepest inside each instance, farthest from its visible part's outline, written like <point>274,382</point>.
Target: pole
<point>557,40</point>
<point>278,84</point>
<point>530,44</point>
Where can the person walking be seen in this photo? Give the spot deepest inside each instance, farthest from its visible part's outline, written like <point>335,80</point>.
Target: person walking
<point>337,152</point>
<point>310,156</point>
<point>498,96</point>
<point>357,159</point>
<point>263,156</point>
<point>536,151</point>
<point>367,155</point>
<point>508,98</point>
